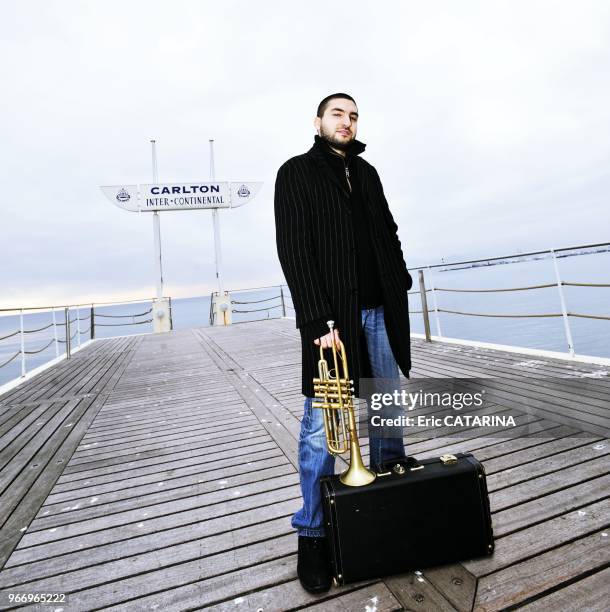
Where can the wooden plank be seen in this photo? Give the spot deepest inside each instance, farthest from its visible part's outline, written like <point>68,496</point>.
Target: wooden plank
<point>146,573</point>
<point>538,538</point>
<point>235,430</point>
<point>193,484</point>
<point>134,423</point>
<point>164,461</point>
<point>160,502</point>
<point>455,583</point>
<point>499,363</point>
<point>27,441</point>
<point>559,461</point>
<point>564,386</point>
<point>590,594</point>
<point>543,573</point>
<point>372,597</point>
<point>548,366</point>
<point>124,425</point>
<point>414,592</point>
<point>241,461</point>
<point>42,545</point>
<point>158,544</point>
<point>184,389</point>
<point>233,590</point>
<point>128,462</point>
<point>202,429</point>
<point>158,449</point>
<point>512,364</point>
<point>147,514</point>
<point>21,422</point>
<point>541,489</point>
<point>152,471</point>
<point>560,441</point>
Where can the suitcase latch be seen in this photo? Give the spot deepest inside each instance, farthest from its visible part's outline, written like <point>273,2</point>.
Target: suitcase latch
<point>448,459</point>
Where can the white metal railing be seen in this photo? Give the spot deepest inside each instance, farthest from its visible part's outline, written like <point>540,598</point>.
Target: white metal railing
<point>279,300</point>
<point>71,314</point>
<point>558,282</point>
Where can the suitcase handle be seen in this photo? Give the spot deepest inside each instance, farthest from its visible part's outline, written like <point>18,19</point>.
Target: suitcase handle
<point>399,465</point>
<point>402,465</point>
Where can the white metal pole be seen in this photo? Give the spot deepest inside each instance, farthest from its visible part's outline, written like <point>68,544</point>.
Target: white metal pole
<point>216,224</point>
<point>437,317</point>
<point>564,310</point>
<point>78,324</point>
<point>22,343</point>
<point>68,332</point>
<point>55,334</point>
<point>157,227</point>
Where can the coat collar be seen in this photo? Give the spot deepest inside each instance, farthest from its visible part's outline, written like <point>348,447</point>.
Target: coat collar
<point>320,148</point>
<point>320,151</point>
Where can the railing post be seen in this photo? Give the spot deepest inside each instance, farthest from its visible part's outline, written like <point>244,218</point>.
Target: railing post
<point>438,318</point>
<point>564,310</point>
<point>211,317</point>
<point>22,343</point>
<point>92,322</point>
<point>171,320</point>
<point>283,302</point>
<point>67,315</point>
<point>55,334</point>
<point>424,305</point>
<point>78,325</point>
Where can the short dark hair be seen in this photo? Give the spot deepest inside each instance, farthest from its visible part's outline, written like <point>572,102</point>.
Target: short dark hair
<point>322,106</point>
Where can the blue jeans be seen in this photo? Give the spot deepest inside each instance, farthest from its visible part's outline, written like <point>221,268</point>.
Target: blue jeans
<point>314,459</point>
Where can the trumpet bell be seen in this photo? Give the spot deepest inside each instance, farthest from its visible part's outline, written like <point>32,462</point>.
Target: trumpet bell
<point>357,476</point>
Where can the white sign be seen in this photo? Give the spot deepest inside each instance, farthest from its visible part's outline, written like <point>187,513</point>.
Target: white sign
<point>181,196</point>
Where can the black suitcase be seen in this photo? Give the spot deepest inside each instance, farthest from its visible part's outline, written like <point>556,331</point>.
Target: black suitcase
<point>415,514</point>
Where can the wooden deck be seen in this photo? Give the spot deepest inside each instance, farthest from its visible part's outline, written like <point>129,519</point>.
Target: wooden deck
<point>160,472</point>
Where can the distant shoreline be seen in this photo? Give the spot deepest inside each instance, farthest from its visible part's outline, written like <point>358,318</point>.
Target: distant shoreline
<point>517,259</point>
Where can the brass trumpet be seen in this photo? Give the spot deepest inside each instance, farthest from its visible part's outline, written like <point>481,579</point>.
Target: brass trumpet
<point>335,391</point>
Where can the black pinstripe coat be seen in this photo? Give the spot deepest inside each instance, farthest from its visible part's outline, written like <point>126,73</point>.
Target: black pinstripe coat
<point>316,249</point>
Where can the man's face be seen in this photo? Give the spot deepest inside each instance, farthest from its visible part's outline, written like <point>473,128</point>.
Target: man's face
<point>338,125</point>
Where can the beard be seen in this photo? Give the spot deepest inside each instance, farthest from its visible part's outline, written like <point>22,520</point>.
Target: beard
<point>335,142</point>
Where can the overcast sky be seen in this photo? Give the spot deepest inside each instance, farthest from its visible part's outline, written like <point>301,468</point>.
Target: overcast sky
<point>489,124</point>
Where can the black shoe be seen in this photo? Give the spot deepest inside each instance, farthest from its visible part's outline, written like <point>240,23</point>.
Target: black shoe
<point>313,567</point>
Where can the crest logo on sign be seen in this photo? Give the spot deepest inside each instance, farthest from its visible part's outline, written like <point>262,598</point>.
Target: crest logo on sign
<point>123,196</point>
<point>243,192</point>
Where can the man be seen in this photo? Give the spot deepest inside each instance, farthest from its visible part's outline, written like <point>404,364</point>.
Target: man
<point>342,260</point>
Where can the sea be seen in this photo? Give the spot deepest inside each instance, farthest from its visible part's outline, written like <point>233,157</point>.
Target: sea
<point>590,336</point>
